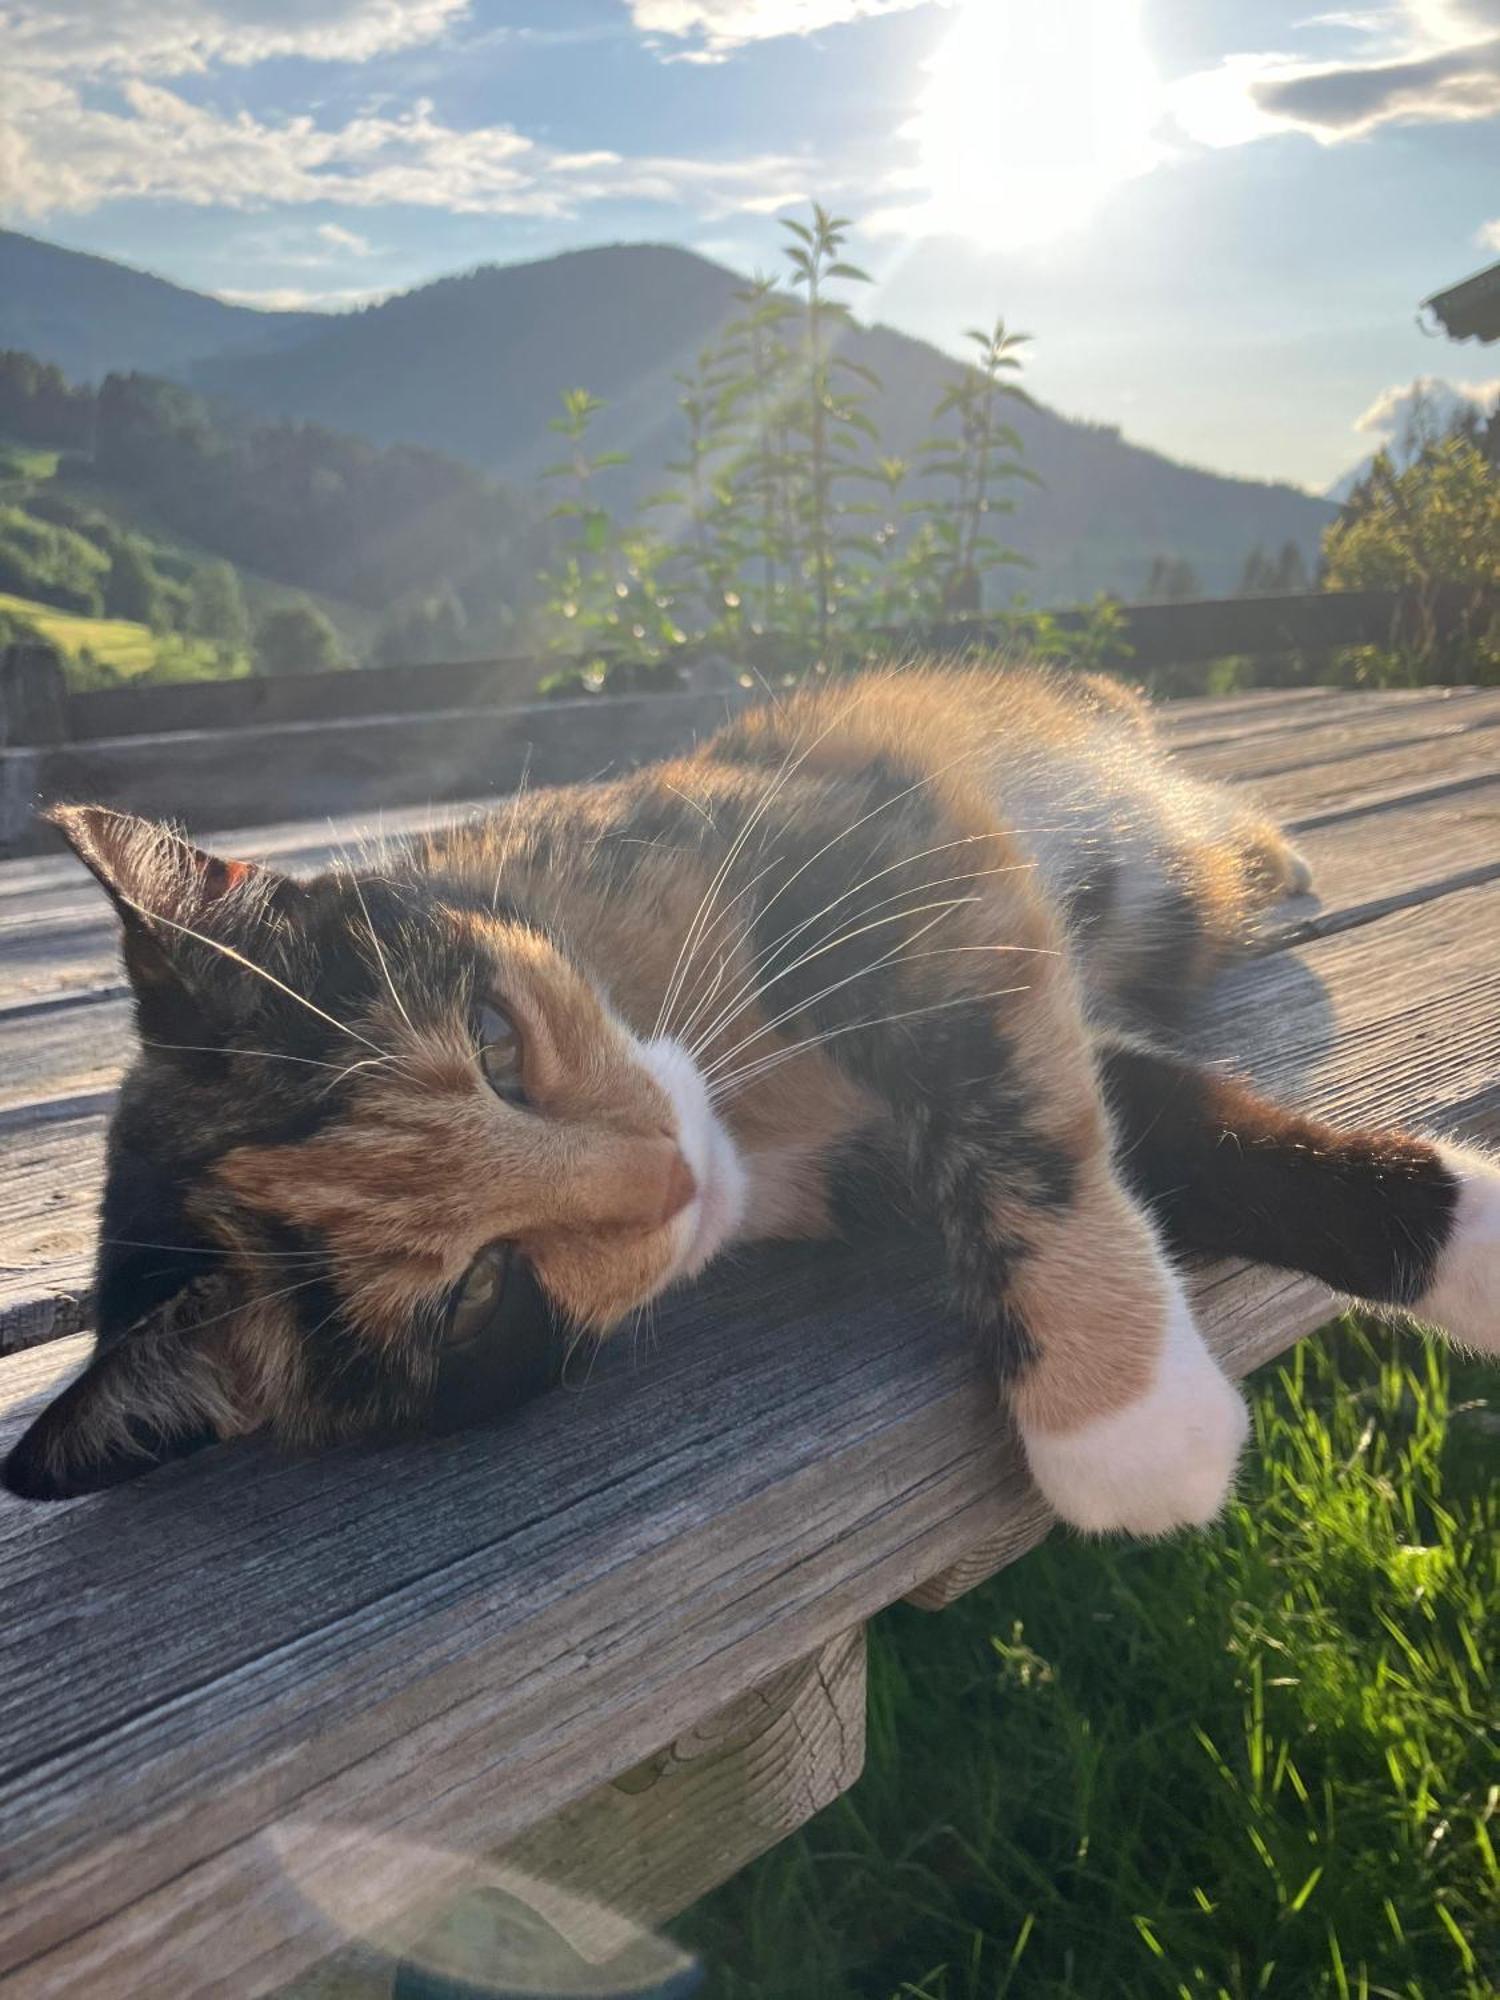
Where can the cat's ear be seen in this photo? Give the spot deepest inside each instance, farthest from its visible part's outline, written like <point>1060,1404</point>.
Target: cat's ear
<point>157,1393</point>
<point>165,890</point>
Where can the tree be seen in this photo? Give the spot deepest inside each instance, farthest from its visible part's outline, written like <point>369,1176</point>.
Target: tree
<point>216,608</point>
<point>1172,580</point>
<point>297,640</point>
<point>1433,527</point>
<point>428,628</point>
<point>1283,575</point>
<point>131,589</point>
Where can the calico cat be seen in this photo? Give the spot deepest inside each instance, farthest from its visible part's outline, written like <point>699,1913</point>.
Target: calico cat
<point>912,940</point>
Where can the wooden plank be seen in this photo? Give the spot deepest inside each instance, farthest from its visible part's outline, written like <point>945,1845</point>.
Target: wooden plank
<point>1346,784</point>
<point>590,1883</point>
<point>1364,732</point>
<point>1410,851</point>
<point>260,699</point>
<point>50,1177</point>
<point>1264,717</point>
<point>1249,1316</point>
<point>812,1439</point>
<point>1186,711</point>
<point>1160,634</point>
<point>210,780</point>
<point>41,886</point>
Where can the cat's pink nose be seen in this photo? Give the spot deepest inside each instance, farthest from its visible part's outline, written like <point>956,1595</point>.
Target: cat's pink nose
<point>680,1189</point>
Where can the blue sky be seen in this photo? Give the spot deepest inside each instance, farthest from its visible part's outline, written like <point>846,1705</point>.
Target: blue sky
<point>1216,217</point>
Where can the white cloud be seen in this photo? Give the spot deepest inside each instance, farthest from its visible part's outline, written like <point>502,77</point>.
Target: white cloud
<point>1407,414</point>
<point>1422,62</point>
<point>730,24</point>
<point>1489,235</point>
<point>74,137</point>
<point>177,37</point>
<point>291,298</point>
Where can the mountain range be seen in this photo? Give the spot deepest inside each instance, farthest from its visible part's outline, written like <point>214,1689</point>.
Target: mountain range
<point>475,365</point>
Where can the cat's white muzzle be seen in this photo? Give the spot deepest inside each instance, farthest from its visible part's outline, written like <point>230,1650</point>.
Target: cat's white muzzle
<point>715,1211</point>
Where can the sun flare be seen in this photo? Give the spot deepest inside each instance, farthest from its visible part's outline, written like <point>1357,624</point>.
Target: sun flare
<point>1030,115</point>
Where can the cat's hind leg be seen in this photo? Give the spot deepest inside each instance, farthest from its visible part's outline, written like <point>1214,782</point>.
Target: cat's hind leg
<point>1399,1221</point>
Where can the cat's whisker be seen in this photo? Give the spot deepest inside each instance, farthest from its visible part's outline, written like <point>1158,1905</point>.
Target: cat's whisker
<point>863,820</point>
<point>207,1049</point>
<point>906,861</point>
<point>390,1061</point>
<point>223,1254</point>
<point>722,918</point>
<point>138,1336</point>
<point>380,953</point>
<point>706,901</point>
<point>248,964</point>
<point>730,1085</point>
<point>901,953</point>
<point>510,827</point>
<point>583,1334</point>
<point>785,772</point>
<point>897,951</point>
<point>757,984</point>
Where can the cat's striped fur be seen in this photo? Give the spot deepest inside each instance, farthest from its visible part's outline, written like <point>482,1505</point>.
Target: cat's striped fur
<point>903,941</point>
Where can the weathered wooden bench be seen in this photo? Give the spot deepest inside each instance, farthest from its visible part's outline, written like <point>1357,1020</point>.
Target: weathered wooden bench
<point>250,1708</point>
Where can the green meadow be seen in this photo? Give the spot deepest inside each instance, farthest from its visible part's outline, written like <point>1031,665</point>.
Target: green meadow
<point>122,647</point>
<point>1257,1762</point>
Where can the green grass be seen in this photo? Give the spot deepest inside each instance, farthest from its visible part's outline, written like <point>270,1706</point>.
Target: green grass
<point>128,650</point>
<point>26,461</point>
<point>1253,1762</point>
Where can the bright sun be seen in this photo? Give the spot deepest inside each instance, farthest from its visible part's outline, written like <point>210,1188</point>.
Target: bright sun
<point>1032,110</point>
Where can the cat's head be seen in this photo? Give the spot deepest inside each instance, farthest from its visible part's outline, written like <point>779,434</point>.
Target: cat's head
<point>383,1146</point>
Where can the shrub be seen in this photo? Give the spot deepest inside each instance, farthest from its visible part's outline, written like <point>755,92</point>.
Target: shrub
<point>297,640</point>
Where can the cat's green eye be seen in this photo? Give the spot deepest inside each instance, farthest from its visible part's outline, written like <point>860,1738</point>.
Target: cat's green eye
<point>476,1303</point>
<point>499,1043</point>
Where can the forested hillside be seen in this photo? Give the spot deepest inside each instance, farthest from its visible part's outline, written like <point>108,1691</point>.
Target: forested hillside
<point>138,468</point>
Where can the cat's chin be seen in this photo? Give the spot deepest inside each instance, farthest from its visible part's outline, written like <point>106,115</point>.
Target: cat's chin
<point>713,1216</point>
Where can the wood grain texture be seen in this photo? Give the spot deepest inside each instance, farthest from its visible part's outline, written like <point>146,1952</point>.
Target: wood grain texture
<point>593,1881</point>
<point>355,765</point>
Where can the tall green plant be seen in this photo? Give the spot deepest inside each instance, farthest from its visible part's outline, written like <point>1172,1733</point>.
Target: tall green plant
<point>786,518</point>
<point>758,354</point>
<point>708,547</point>
<point>980,455</point>
<point>828,413</point>
<point>604,602</point>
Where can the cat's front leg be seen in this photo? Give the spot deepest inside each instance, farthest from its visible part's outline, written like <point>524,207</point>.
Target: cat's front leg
<point>1127,1420</point>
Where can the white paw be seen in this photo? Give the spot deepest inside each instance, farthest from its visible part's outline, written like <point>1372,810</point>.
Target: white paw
<point>1165,1461</point>
<point>1464,1296</point>
<point>1299,874</point>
